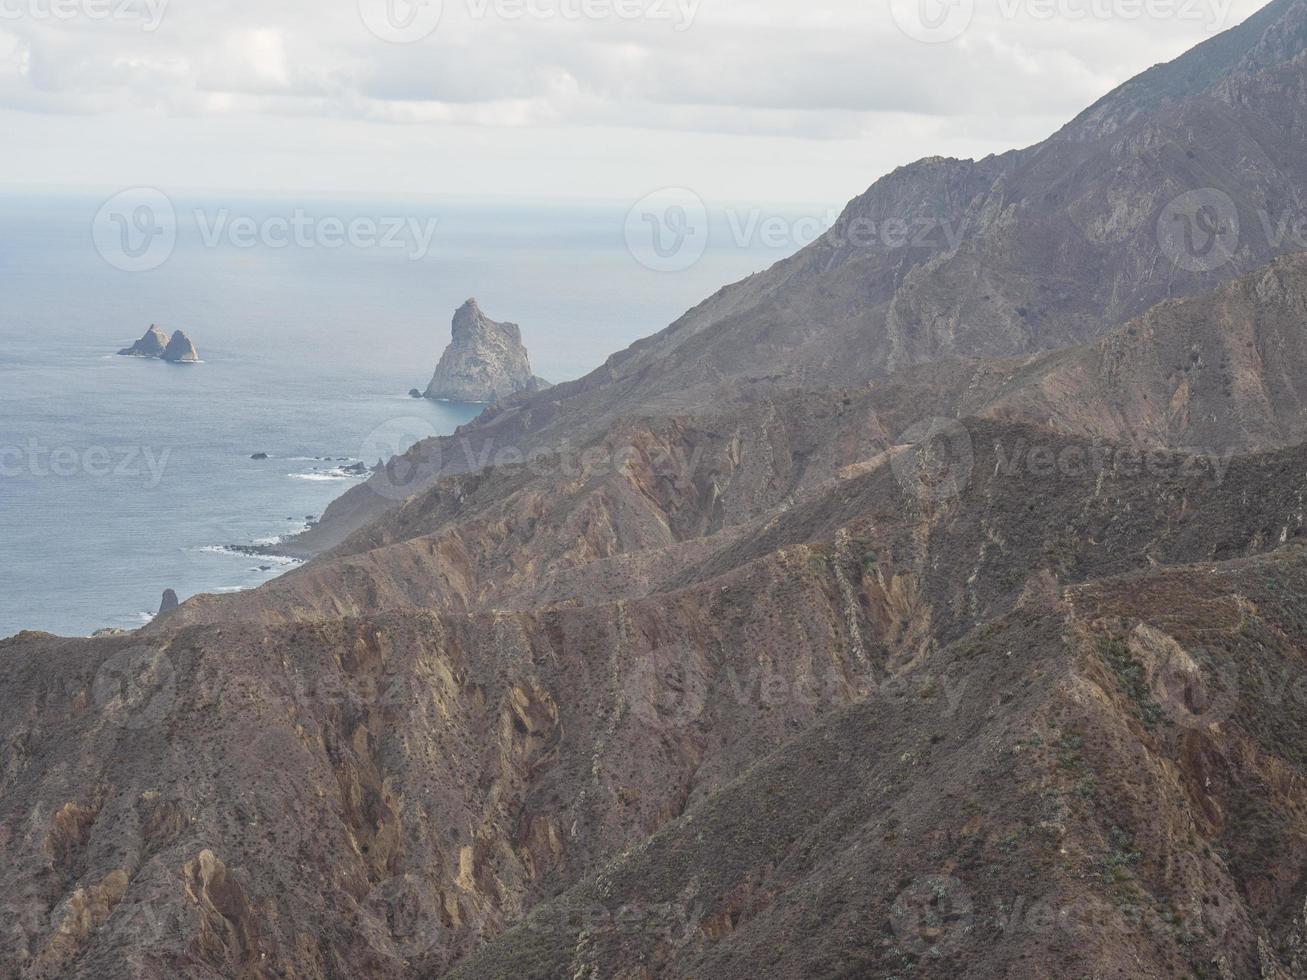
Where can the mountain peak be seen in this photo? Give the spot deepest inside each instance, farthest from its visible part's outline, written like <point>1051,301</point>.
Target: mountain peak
<point>1274,35</point>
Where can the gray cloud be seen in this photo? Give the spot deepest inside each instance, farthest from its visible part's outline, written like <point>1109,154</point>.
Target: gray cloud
<point>762,69</point>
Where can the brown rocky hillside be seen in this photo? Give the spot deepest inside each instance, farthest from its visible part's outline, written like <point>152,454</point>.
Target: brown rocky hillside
<point>891,615</point>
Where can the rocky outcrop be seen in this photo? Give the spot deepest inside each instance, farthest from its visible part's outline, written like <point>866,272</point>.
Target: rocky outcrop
<point>484,362</point>
<point>153,344</point>
<point>169,602</point>
<point>1221,372</point>
<point>1103,803</point>
<point>180,350</point>
<point>177,350</point>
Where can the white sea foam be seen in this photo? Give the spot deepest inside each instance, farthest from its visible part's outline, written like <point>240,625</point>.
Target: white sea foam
<point>335,473</point>
<point>230,552</point>
<point>321,476</point>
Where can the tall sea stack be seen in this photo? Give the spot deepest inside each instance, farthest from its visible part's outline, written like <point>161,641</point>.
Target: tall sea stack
<point>484,362</point>
<point>180,350</point>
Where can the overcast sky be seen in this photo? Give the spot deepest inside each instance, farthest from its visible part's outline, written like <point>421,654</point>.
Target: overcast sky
<point>772,100</point>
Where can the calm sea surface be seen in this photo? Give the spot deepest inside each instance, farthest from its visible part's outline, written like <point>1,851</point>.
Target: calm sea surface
<point>120,477</point>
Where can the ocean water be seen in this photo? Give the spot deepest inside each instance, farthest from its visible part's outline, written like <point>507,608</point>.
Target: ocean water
<point>120,477</point>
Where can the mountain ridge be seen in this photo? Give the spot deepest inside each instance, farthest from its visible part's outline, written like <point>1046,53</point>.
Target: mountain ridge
<point>1056,244</point>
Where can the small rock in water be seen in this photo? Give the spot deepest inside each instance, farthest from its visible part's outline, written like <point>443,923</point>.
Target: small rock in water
<point>259,456</point>
<point>180,350</point>
<point>414,393</point>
